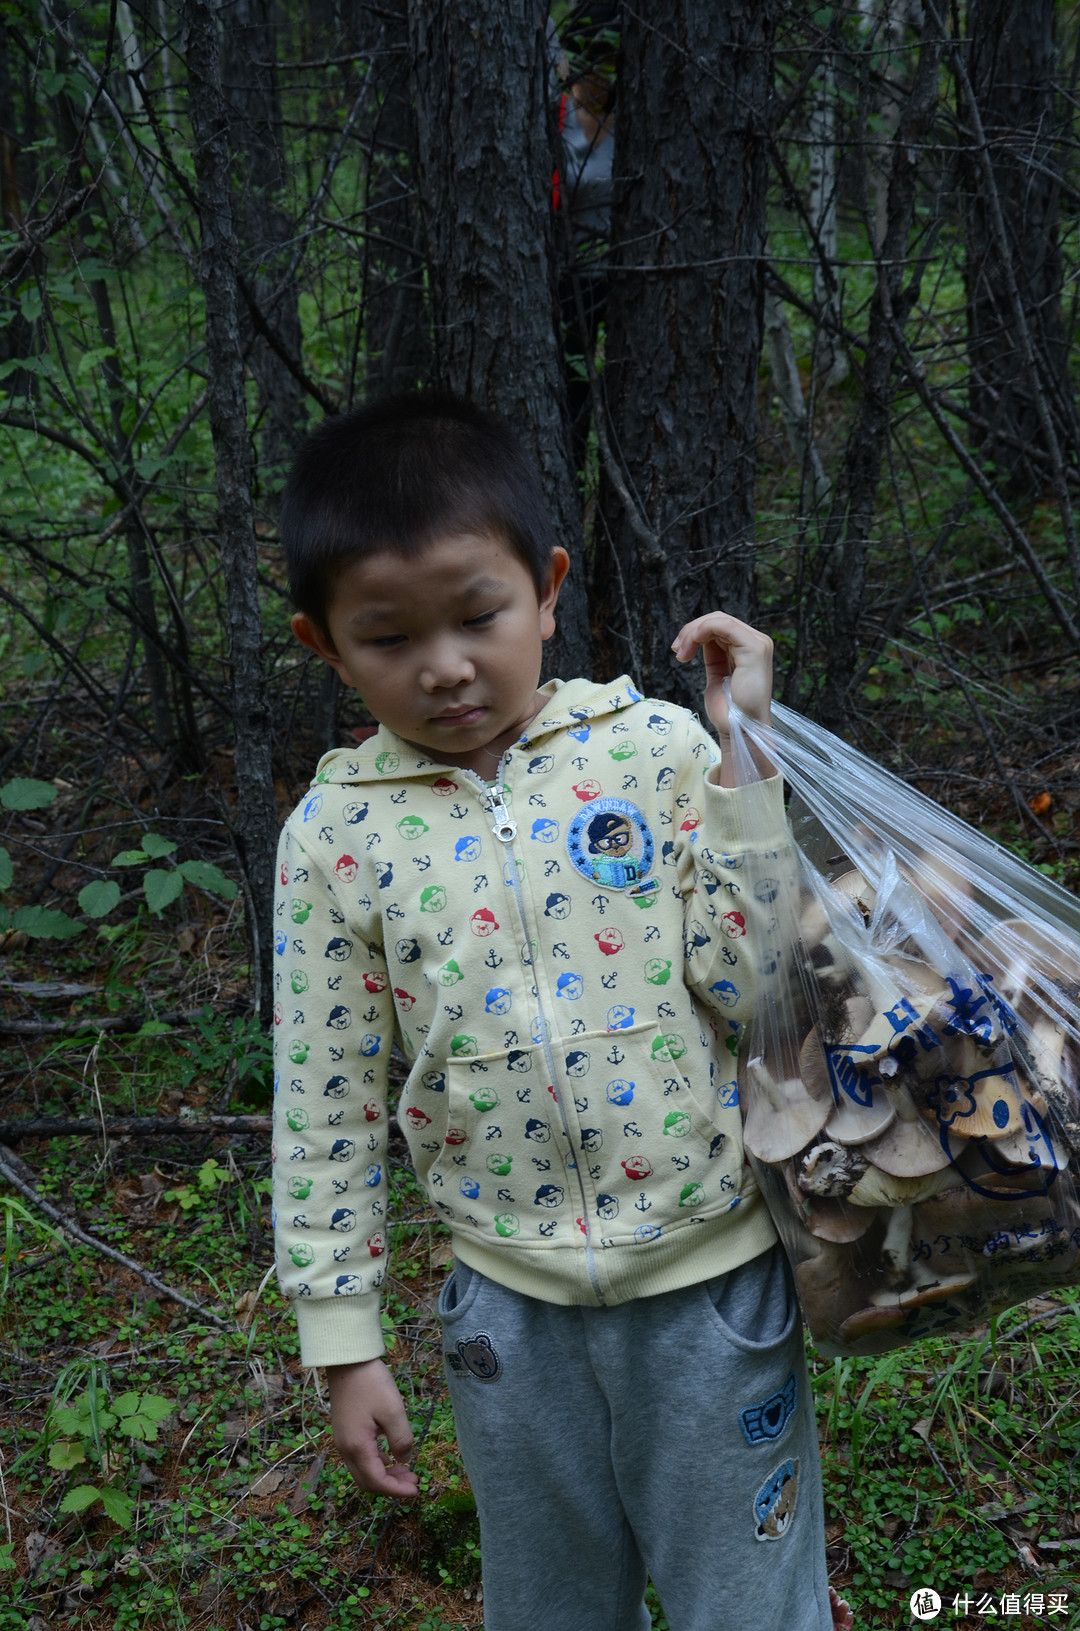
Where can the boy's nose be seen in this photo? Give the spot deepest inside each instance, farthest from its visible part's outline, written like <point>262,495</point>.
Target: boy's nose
<point>446,664</point>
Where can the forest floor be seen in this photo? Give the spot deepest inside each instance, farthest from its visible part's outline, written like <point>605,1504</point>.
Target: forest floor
<point>169,1465</point>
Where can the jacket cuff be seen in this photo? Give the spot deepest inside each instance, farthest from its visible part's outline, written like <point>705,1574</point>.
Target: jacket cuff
<point>755,811</point>
<point>341,1331</point>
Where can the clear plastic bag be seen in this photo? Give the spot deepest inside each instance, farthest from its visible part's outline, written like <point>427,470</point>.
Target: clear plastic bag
<point>911,1080</point>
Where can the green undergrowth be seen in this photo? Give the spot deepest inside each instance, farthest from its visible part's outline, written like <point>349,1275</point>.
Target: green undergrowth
<point>162,1472</point>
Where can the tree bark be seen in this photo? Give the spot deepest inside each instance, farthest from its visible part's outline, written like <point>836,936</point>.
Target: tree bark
<point>1010,81</point>
<point>397,329</point>
<point>487,158</point>
<point>831,362</point>
<point>256,814</point>
<point>264,228</point>
<point>847,537</point>
<point>684,324</point>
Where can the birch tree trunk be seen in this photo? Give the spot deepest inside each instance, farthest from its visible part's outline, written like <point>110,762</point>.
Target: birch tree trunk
<point>256,814</point>
<point>487,157</point>
<point>684,326</point>
<point>830,359</point>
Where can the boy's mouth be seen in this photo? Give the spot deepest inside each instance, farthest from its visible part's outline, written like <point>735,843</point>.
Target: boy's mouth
<point>460,716</point>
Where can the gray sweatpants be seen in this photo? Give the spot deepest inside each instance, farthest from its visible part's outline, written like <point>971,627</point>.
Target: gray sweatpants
<point>659,1438</point>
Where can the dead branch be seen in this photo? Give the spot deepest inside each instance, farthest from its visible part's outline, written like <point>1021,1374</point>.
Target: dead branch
<point>93,1022</point>
<point>11,1132</point>
<point>35,233</point>
<point>9,1162</point>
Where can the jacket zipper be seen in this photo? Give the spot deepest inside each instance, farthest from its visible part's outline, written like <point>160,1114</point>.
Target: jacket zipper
<point>493,800</point>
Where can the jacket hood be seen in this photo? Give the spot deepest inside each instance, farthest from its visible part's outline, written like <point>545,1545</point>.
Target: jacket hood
<point>569,702</point>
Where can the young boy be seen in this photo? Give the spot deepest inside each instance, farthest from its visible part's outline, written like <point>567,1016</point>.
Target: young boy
<point>557,901</point>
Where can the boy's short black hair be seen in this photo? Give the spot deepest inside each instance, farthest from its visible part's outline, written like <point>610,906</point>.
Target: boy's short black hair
<point>399,473</point>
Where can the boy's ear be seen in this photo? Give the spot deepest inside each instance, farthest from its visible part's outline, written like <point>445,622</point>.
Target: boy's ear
<point>558,567</point>
<point>309,634</point>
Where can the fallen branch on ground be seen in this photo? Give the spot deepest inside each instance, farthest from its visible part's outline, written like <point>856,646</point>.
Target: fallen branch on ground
<point>101,1022</point>
<point>130,1126</point>
<point>9,1165</point>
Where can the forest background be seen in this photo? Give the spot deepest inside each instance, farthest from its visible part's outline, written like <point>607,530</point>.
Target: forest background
<point>818,367</point>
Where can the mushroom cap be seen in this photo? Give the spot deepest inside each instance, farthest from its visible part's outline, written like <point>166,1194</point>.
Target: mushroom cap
<point>910,1149</point>
<point>780,1117</point>
<point>878,1188</point>
<point>827,1219</point>
<point>932,1291</point>
<point>859,1107</point>
<point>1034,1147</point>
<point>862,894</point>
<point>977,1104</point>
<point>839,1173</point>
<point>833,1284</point>
<point>946,892</point>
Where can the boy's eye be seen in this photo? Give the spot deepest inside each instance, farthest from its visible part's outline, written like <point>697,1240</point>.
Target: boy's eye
<point>478,622</point>
<point>385,641</point>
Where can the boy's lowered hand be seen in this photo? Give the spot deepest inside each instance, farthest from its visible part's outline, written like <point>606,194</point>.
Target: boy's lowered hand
<point>732,650</point>
<point>365,1405</point>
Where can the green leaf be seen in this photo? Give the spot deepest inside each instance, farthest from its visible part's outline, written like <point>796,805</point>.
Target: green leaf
<point>154,1027</point>
<point>65,1455</point>
<point>99,897</point>
<point>155,1407</point>
<point>211,1173</point>
<point>204,875</point>
<point>156,846</point>
<point>25,793</point>
<point>69,1420</point>
<point>79,1498</point>
<point>41,923</point>
<point>118,1506</point>
<point>161,888</point>
<point>126,1404</point>
<point>130,857</point>
<point>7,1555</point>
<point>7,871</point>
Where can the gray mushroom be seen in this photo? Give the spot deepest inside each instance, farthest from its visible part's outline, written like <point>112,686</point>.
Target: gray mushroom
<point>845,1174</point>
<point>910,1148</point>
<point>781,1116</point>
<point>851,1120</point>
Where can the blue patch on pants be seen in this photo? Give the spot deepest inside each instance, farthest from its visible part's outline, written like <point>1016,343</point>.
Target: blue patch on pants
<point>767,1420</point>
<point>774,1503</point>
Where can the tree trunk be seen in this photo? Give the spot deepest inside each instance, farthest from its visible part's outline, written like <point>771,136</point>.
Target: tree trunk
<point>1016,335</point>
<point>397,330</point>
<point>264,228</point>
<point>830,360</point>
<point>256,814</point>
<point>853,513</point>
<point>487,158</point>
<point>684,324</point>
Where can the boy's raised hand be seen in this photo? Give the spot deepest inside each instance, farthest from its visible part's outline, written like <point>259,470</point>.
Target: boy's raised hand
<point>365,1405</point>
<point>731,649</point>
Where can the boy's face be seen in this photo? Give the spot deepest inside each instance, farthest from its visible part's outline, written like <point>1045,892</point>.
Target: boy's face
<point>445,647</point>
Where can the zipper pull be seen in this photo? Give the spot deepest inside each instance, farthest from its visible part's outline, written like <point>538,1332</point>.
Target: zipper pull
<point>504,827</point>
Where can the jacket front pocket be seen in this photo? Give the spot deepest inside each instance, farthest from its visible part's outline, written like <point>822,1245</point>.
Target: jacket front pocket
<point>503,1166</point>
<point>650,1155</point>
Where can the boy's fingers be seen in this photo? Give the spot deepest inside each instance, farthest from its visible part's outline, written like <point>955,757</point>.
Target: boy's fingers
<point>374,1471</point>
<point>727,631</point>
<point>400,1440</point>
